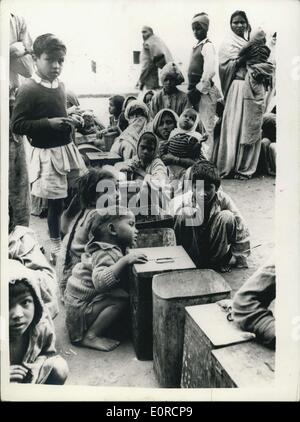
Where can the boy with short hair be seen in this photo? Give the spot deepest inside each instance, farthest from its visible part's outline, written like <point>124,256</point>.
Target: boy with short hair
<point>40,113</point>
<point>208,224</point>
<point>33,357</point>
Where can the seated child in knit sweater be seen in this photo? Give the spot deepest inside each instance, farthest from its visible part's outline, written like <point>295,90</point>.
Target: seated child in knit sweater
<point>183,148</point>
<point>76,220</point>
<point>95,295</point>
<point>33,357</point>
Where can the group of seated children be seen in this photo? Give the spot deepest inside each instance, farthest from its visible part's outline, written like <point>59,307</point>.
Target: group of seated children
<point>92,262</point>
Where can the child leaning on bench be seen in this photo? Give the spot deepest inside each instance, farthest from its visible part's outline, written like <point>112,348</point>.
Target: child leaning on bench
<point>208,224</point>
<point>96,298</point>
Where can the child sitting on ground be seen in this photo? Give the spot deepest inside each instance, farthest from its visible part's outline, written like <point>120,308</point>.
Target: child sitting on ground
<point>77,218</point>
<point>149,171</point>
<point>146,161</point>
<point>96,296</point>
<point>25,253</point>
<point>208,224</point>
<point>33,357</point>
<point>40,113</point>
<point>183,148</point>
<point>137,114</point>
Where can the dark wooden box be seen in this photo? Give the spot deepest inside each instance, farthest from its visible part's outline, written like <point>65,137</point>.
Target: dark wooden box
<point>103,158</point>
<point>249,365</point>
<point>160,260</point>
<point>171,293</point>
<point>206,329</point>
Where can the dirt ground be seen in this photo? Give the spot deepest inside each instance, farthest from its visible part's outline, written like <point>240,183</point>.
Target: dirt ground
<point>255,199</point>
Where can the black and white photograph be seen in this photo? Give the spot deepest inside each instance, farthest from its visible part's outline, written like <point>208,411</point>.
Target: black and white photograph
<point>150,207</point>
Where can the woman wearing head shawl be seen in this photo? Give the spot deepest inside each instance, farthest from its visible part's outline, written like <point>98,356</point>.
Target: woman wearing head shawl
<point>240,140</point>
<point>170,96</point>
<point>137,114</point>
<point>123,123</point>
<point>163,124</point>
<point>147,97</point>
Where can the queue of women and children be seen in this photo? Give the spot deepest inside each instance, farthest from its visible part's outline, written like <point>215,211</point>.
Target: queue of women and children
<point>167,138</point>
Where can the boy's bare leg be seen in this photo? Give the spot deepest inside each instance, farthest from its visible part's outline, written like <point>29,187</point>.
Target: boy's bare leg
<point>94,336</point>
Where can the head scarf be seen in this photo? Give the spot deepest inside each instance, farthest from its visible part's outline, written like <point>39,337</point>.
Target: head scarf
<point>158,117</point>
<point>171,69</point>
<point>125,104</point>
<point>136,105</point>
<point>243,15</point>
<point>191,132</point>
<point>18,272</point>
<point>201,19</point>
<point>147,28</point>
<point>150,91</point>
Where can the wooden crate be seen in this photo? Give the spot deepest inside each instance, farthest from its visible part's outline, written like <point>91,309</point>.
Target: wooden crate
<point>206,329</point>
<point>102,158</point>
<point>172,292</point>
<point>156,237</point>
<point>249,365</point>
<point>160,260</point>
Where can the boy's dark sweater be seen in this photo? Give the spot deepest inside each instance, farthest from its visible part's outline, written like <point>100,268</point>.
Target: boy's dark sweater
<point>34,105</point>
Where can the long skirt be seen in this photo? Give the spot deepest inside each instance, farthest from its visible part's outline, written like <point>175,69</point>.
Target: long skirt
<point>231,155</point>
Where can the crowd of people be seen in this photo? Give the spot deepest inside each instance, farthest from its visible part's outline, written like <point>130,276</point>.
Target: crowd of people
<point>167,139</point>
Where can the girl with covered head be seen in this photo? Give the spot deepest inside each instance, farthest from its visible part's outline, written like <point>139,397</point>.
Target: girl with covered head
<point>163,124</point>
<point>170,96</point>
<point>96,296</point>
<point>33,357</point>
<point>137,114</point>
<point>123,122</point>
<point>244,93</point>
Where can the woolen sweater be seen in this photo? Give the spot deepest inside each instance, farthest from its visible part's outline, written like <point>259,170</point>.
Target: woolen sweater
<point>34,105</point>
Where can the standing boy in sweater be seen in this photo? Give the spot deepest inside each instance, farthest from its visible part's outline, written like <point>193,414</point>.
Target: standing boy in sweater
<point>40,113</point>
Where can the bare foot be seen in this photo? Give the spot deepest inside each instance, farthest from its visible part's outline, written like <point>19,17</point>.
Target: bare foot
<point>100,343</point>
<point>224,268</point>
<point>241,262</point>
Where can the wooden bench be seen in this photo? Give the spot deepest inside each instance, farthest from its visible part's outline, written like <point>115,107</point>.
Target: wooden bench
<point>171,293</point>
<point>249,365</point>
<point>206,328</point>
<point>160,260</point>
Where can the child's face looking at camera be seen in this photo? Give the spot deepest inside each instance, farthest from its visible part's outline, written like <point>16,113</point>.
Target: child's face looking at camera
<point>187,120</point>
<point>146,150</point>
<point>204,192</point>
<point>126,231</point>
<point>21,313</point>
<point>169,85</point>
<point>49,65</point>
